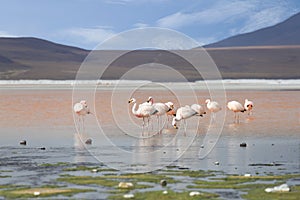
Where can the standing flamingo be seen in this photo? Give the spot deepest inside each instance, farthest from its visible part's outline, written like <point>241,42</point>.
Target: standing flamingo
<point>171,114</point>
<point>248,106</point>
<point>144,111</point>
<point>81,109</point>
<point>213,107</point>
<point>162,109</point>
<point>186,112</point>
<point>236,107</point>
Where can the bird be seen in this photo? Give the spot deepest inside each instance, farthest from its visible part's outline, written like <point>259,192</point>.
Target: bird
<point>148,102</point>
<point>81,109</point>
<point>162,109</point>
<point>199,109</point>
<point>213,107</point>
<point>186,112</point>
<point>143,111</point>
<point>236,107</point>
<point>171,114</point>
<point>248,106</point>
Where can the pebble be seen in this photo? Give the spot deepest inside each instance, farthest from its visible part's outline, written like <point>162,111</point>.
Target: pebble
<point>94,170</point>
<point>163,183</point>
<point>202,146</point>
<point>128,196</point>
<point>165,192</point>
<point>247,175</point>
<point>217,163</point>
<point>243,144</point>
<point>194,194</point>
<point>36,193</point>
<point>23,142</point>
<point>42,148</point>
<point>88,141</point>
<point>125,185</point>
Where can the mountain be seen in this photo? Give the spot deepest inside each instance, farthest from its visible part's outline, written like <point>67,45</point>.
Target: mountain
<point>33,58</point>
<point>269,53</point>
<point>284,33</point>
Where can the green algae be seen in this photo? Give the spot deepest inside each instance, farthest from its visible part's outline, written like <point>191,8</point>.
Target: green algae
<point>27,192</point>
<point>259,193</point>
<point>88,180</point>
<point>170,195</point>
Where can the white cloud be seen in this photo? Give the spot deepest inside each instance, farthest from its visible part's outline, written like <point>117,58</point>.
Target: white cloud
<point>264,18</point>
<point>6,34</point>
<point>221,11</point>
<point>92,36</point>
<point>123,2</point>
<point>140,25</point>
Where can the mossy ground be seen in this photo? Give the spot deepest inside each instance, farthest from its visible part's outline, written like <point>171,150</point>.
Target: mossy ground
<point>44,192</point>
<point>251,187</point>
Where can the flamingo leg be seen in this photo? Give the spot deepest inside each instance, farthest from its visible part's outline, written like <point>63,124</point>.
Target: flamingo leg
<point>148,125</point>
<point>143,126</point>
<point>83,127</point>
<point>185,125</point>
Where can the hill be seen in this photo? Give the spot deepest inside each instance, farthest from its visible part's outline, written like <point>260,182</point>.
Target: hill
<point>284,33</point>
<point>33,58</point>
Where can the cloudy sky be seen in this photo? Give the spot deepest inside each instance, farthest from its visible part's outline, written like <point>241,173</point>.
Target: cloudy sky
<point>86,23</point>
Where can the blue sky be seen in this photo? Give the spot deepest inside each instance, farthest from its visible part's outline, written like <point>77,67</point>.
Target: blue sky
<point>86,23</point>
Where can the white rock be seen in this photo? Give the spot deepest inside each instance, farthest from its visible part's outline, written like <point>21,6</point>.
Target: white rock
<point>165,192</point>
<point>247,175</point>
<point>125,185</point>
<point>128,196</point>
<point>217,163</point>
<point>94,170</point>
<point>36,193</point>
<point>194,194</point>
<point>280,188</point>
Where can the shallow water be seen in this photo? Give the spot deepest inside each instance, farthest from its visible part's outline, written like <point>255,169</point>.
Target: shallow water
<point>44,118</point>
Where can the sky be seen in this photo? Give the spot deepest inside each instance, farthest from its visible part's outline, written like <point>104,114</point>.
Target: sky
<point>86,23</point>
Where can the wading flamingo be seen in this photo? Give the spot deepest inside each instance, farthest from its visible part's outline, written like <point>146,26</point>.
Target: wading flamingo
<point>81,109</point>
<point>162,109</point>
<point>144,111</point>
<point>186,112</point>
<point>213,107</point>
<point>248,106</point>
<point>236,107</point>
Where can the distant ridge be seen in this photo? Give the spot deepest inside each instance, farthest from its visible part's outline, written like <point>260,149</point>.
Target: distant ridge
<point>284,33</point>
<point>33,58</point>
<point>269,53</point>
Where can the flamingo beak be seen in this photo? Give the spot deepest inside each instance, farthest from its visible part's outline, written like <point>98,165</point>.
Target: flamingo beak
<point>130,101</point>
<point>175,126</point>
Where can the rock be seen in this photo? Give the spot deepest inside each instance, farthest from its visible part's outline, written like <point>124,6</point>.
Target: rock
<point>128,196</point>
<point>216,163</point>
<point>42,148</point>
<point>280,188</point>
<point>36,193</point>
<point>194,194</point>
<point>243,144</point>
<point>202,146</point>
<point>95,170</point>
<point>247,175</point>
<point>165,192</point>
<point>23,142</point>
<point>163,183</point>
<point>88,141</point>
<point>125,185</point>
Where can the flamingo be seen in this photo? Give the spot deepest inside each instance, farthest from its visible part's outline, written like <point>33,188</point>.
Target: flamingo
<point>236,107</point>
<point>162,109</point>
<point>213,107</point>
<point>171,113</point>
<point>186,112</point>
<point>144,111</point>
<point>248,106</point>
<point>81,109</point>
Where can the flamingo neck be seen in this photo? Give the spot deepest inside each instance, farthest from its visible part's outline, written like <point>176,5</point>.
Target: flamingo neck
<point>133,109</point>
